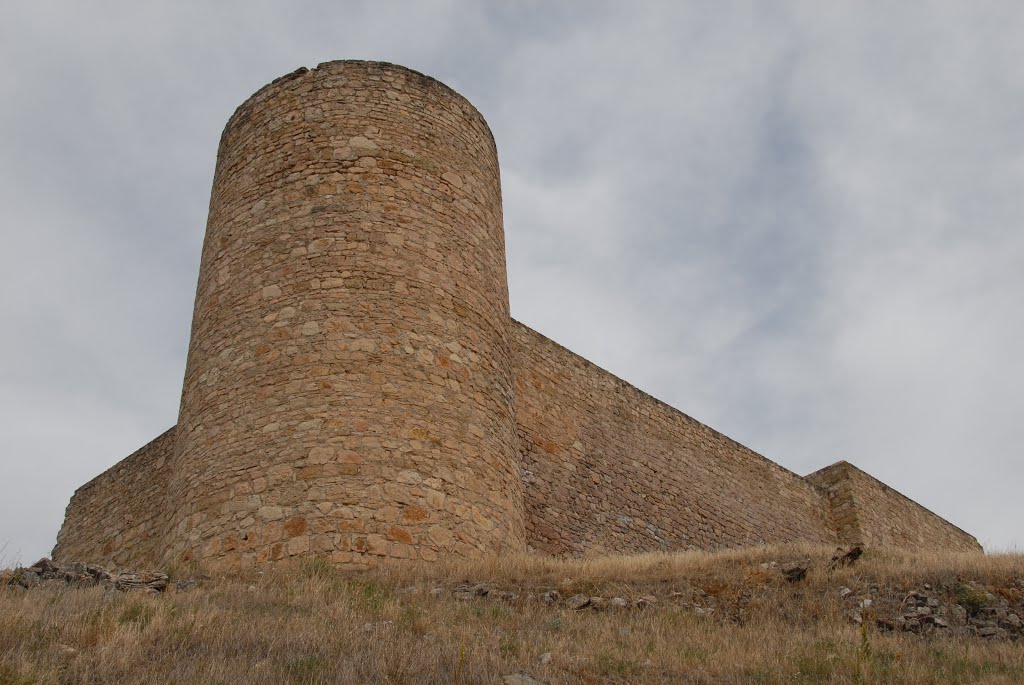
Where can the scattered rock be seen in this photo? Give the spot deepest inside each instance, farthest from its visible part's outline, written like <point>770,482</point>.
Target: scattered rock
<point>27,578</point>
<point>577,602</point>
<point>377,626</point>
<point>926,610</point>
<point>45,566</point>
<point>98,573</point>
<point>796,571</point>
<point>522,678</point>
<point>618,603</point>
<point>845,592</point>
<point>886,625</point>
<point>552,596</point>
<point>990,630</point>
<point>148,581</point>
<point>598,603</point>
<point>466,591</point>
<point>645,601</point>
<point>545,659</point>
<point>846,558</point>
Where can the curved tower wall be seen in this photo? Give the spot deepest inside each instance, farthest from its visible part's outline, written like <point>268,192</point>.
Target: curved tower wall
<point>349,383</point>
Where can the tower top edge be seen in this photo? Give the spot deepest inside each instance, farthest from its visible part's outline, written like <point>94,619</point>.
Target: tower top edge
<point>368,65</point>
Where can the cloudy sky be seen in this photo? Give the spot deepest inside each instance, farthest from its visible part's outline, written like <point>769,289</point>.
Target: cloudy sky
<point>799,222</point>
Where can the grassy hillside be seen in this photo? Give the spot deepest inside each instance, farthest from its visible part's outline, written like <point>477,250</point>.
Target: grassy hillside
<point>731,617</point>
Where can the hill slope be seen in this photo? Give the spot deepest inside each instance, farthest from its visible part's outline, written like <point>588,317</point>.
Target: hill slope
<point>730,617</point>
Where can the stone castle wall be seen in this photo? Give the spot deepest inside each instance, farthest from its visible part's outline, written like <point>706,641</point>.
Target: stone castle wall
<point>866,511</point>
<point>118,517</point>
<point>356,389</point>
<point>608,468</point>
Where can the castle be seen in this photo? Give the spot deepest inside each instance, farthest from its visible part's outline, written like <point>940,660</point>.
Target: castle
<point>356,389</point>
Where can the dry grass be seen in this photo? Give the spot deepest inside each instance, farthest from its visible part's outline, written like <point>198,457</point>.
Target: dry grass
<point>309,624</point>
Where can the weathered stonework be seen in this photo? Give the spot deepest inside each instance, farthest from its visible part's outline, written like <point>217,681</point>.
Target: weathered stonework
<point>355,387</point>
<point>118,516</point>
<point>607,468</point>
<point>867,512</point>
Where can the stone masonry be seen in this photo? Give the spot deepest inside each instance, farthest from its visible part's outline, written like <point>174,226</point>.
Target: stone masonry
<point>356,389</point>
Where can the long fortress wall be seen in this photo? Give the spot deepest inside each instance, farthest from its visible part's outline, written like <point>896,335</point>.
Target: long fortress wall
<point>355,388</point>
<point>608,468</point>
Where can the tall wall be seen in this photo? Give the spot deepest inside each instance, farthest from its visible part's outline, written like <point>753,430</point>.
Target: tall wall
<point>868,512</point>
<point>349,384</point>
<point>117,518</point>
<point>608,468</point>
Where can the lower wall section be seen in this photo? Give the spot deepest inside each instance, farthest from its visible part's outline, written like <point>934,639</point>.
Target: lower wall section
<point>609,469</point>
<point>868,512</point>
<point>117,518</point>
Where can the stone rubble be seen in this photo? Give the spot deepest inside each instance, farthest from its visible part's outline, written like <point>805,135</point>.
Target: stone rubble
<point>645,601</point>
<point>522,678</point>
<point>47,572</point>
<point>378,626</point>
<point>795,571</point>
<point>956,608</point>
<point>577,602</point>
<point>846,558</point>
<point>961,610</point>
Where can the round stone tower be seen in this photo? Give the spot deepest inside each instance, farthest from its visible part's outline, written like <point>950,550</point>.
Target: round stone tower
<point>348,391</point>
